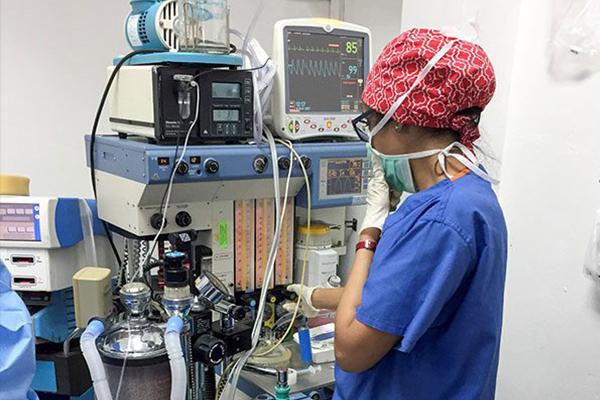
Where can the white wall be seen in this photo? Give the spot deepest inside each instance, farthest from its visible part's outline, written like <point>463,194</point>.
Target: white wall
<point>53,70</point>
<point>52,75</point>
<point>551,341</point>
<point>497,24</point>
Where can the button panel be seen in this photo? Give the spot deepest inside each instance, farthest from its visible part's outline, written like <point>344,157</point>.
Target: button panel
<point>320,125</point>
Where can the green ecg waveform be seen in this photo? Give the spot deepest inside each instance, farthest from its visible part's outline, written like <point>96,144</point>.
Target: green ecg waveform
<point>315,68</point>
<point>324,50</point>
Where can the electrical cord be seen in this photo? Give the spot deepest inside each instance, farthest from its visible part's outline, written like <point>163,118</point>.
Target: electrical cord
<point>93,138</point>
<point>267,275</point>
<point>242,360</point>
<point>199,74</point>
<point>160,211</point>
<point>124,361</point>
<point>252,25</point>
<point>298,300</point>
<point>223,380</point>
<point>169,188</point>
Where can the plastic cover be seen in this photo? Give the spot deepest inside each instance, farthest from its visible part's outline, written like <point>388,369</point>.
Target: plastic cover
<point>87,228</point>
<point>575,45</point>
<point>591,266</point>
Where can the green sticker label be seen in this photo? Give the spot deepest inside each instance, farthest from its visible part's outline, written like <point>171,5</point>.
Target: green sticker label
<point>223,237</point>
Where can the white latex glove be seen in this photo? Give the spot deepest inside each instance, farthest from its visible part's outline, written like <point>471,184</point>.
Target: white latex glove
<point>378,198</point>
<point>305,295</point>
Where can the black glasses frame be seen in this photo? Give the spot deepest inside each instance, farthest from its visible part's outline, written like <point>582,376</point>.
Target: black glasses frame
<point>362,119</point>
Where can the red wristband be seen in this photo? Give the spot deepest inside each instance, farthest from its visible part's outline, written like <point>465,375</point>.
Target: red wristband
<point>367,245</point>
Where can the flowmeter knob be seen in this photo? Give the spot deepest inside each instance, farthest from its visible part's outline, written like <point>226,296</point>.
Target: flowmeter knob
<point>183,168</point>
<point>260,164</point>
<point>284,162</point>
<point>307,162</point>
<point>211,166</point>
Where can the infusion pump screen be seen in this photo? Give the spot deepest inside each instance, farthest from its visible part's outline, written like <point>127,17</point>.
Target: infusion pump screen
<point>20,222</point>
<point>325,73</point>
<point>344,176</point>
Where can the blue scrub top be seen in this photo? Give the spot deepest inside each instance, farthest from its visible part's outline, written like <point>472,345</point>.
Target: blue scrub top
<point>436,281</point>
<point>17,343</point>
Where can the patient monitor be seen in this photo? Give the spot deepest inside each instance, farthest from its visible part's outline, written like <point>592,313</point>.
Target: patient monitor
<point>322,65</point>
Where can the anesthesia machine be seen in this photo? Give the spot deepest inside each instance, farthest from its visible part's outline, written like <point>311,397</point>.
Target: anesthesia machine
<point>218,212</point>
<point>43,243</point>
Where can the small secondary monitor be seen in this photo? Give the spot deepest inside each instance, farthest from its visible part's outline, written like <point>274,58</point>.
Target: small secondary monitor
<point>322,66</point>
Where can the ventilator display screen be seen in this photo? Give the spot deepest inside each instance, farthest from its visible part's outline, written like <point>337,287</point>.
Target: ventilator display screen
<point>324,72</point>
<point>20,222</point>
<point>226,90</point>
<point>344,176</point>
<point>226,115</point>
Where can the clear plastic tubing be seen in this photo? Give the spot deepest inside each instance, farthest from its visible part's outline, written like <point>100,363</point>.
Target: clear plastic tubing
<point>93,360</point>
<point>176,360</point>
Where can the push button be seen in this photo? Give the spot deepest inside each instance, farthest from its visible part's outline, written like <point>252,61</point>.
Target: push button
<point>294,126</point>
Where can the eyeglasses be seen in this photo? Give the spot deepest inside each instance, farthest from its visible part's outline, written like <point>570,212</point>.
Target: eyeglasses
<point>361,125</point>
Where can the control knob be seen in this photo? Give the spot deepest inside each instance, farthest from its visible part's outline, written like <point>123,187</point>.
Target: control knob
<point>211,166</point>
<point>260,164</point>
<point>183,168</point>
<point>307,162</point>
<point>156,221</point>
<point>209,350</point>
<point>183,219</point>
<point>283,162</point>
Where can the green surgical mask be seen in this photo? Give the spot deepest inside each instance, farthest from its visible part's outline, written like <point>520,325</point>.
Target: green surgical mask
<point>396,168</point>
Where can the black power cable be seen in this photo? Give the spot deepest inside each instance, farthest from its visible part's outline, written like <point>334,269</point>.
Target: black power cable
<point>93,138</point>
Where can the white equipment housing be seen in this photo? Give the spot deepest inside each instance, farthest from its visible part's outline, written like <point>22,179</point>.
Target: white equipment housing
<point>42,242</point>
<point>322,65</point>
<point>320,265</point>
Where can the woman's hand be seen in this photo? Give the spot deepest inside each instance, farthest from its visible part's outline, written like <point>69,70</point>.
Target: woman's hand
<point>314,299</point>
<point>306,305</point>
<point>380,200</point>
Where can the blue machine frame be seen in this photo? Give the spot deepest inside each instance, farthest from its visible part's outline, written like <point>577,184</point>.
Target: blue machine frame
<point>151,164</point>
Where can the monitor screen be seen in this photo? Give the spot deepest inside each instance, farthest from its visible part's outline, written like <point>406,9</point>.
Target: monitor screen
<point>20,222</point>
<point>325,72</point>
<point>226,115</point>
<point>226,90</point>
<point>344,176</point>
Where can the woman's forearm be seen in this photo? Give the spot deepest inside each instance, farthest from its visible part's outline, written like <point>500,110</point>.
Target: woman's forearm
<point>327,298</point>
<point>353,290</point>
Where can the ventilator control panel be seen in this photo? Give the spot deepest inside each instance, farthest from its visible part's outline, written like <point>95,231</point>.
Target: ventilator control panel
<point>343,178</point>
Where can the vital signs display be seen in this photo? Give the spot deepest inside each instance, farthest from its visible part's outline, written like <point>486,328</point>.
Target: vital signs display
<point>325,72</point>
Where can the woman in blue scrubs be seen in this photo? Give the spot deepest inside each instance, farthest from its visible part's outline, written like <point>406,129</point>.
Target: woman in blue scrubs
<point>420,316</point>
